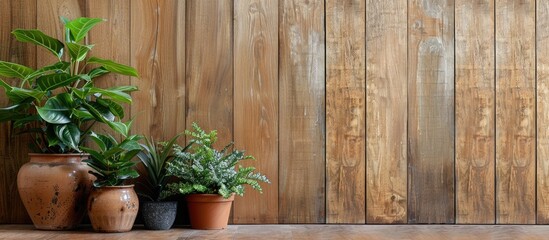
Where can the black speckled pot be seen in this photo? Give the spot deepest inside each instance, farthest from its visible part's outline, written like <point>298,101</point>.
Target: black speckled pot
<point>158,215</point>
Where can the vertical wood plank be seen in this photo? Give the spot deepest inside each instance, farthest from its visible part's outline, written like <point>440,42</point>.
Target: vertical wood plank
<point>386,101</point>
<point>345,111</point>
<point>158,54</point>
<point>209,71</point>
<point>302,111</point>
<point>475,112</point>
<point>515,112</point>
<point>13,148</point>
<point>431,111</point>
<point>112,41</point>
<point>542,70</point>
<point>256,103</point>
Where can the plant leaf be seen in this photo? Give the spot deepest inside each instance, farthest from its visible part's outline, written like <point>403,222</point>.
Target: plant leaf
<point>77,51</point>
<point>115,67</point>
<point>54,111</point>
<point>58,66</point>
<point>8,69</point>
<point>97,72</point>
<point>56,80</point>
<point>81,26</point>
<point>115,108</point>
<point>18,95</point>
<point>69,134</point>
<point>117,96</point>
<point>39,38</point>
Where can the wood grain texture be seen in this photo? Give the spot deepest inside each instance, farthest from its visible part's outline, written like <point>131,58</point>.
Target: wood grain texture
<point>542,71</point>
<point>256,103</point>
<point>209,67</point>
<point>386,112</point>
<point>431,111</point>
<point>112,41</point>
<point>475,112</point>
<point>158,54</point>
<point>302,111</point>
<point>13,148</point>
<point>515,112</point>
<point>345,111</point>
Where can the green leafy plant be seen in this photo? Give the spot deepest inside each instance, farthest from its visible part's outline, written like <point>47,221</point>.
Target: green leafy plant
<point>112,164</point>
<point>57,104</point>
<point>204,169</point>
<point>155,157</point>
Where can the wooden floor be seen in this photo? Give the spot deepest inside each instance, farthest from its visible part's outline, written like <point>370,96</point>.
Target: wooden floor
<point>264,232</point>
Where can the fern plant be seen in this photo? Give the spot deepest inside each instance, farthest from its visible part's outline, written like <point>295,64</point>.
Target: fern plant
<point>204,169</point>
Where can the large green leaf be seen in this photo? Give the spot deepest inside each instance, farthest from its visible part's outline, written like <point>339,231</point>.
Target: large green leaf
<point>54,111</point>
<point>81,26</point>
<point>8,69</point>
<point>18,95</point>
<point>97,72</point>
<point>124,88</point>
<point>69,134</point>
<point>115,108</point>
<point>117,96</point>
<point>104,111</point>
<point>82,114</point>
<point>77,51</point>
<point>114,67</point>
<point>39,38</point>
<point>56,80</point>
<point>57,67</point>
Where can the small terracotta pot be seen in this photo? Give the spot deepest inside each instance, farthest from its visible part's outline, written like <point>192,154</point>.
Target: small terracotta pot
<point>209,211</point>
<point>113,208</point>
<point>54,189</point>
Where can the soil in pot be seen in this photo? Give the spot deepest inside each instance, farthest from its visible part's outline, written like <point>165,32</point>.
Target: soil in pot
<point>113,208</point>
<point>54,189</point>
<point>158,215</point>
<point>209,211</point>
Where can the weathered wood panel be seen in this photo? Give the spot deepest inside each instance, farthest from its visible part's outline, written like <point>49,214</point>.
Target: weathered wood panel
<point>431,111</point>
<point>13,148</point>
<point>209,66</point>
<point>542,70</point>
<point>302,111</point>
<point>112,41</point>
<point>345,111</point>
<point>515,112</point>
<point>256,103</point>
<point>386,112</point>
<point>158,54</point>
<point>475,112</point>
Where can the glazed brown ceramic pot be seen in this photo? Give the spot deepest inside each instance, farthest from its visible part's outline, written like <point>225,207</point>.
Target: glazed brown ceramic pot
<point>209,211</point>
<point>54,189</point>
<point>113,208</point>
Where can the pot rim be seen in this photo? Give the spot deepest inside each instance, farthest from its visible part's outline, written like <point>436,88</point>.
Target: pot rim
<point>59,154</point>
<point>121,186</point>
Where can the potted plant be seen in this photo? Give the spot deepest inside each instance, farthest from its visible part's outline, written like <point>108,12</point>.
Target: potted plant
<point>157,213</point>
<point>210,178</point>
<point>112,205</point>
<point>57,105</point>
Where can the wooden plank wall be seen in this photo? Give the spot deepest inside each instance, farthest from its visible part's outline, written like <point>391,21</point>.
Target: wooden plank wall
<point>359,111</point>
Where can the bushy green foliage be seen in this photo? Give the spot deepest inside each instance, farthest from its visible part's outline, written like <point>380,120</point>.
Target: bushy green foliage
<point>155,157</point>
<point>204,169</point>
<point>57,104</point>
<point>112,164</point>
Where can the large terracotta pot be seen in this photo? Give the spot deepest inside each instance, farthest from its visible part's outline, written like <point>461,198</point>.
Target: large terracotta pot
<point>113,208</point>
<point>209,211</point>
<point>54,189</point>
